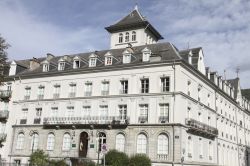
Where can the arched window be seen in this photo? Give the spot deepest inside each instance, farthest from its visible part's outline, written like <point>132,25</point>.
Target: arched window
<point>50,141</point>
<point>127,37</point>
<point>66,142</point>
<point>120,142</point>
<point>34,141</point>
<point>162,148</point>
<point>190,146</point>
<point>142,143</point>
<point>120,38</point>
<point>20,141</point>
<point>133,36</point>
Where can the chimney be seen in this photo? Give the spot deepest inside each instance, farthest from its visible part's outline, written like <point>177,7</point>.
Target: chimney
<point>34,64</point>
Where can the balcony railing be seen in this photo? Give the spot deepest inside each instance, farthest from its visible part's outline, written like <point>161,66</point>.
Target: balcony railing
<point>4,114</point>
<point>26,97</point>
<point>40,97</point>
<point>163,119</point>
<point>87,120</point>
<point>201,129</point>
<point>87,93</point>
<point>72,94</point>
<point>162,157</point>
<point>143,119</point>
<point>5,94</point>
<point>2,138</point>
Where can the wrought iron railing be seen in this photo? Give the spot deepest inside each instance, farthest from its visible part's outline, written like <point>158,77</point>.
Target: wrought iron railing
<point>202,128</point>
<point>5,94</point>
<point>143,119</point>
<point>4,114</point>
<point>163,119</point>
<point>88,120</point>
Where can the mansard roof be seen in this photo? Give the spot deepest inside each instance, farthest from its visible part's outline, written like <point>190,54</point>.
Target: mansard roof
<point>235,84</point>
<point>132,21</point>
<point>195,55</point>
<point>166,51</point>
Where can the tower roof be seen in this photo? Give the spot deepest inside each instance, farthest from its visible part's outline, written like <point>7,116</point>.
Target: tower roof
<point>131,21</point>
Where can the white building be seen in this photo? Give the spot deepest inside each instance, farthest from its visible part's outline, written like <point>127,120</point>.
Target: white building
<point>140,96</point>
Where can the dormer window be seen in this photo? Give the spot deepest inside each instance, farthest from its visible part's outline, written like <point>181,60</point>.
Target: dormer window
<point>61,66</point>
<point>92,62</point>
<point>45,67</point>
<point>146,53</point>
<point>108,60</point>
<point>120,38</point>
<point>126,57</point>
<point>76,63</point>
<point>133,36</point>
<point>127,37</point>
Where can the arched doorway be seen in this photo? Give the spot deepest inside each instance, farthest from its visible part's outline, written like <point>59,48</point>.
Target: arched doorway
<point>83,144</point>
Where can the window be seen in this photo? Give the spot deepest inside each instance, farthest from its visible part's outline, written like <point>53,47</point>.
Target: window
<point>24,113</point>
<point>124,87</point>
<point>141,144</point>
<point>103,111</point>
<point>86,111</point>
<point>57,89</point>
<point>190,146</point>
<point>50,141</point>
<point>123,112</point>
<point>164,110</point>
<point>34,141</point>
<point>45,67</point>
<point>88,88</point>
<point>133,36</point>
<point>108,60</point>
<point>145,85</point>
<point>27,93</point>
<point>66,142</point>
<point>92,62</point>
<point>54,111</point>
<point>105,88</point>
<point>162,144</point>
<point>20,141</point>
<point>120,38</point>
<point>72,90</point>
<point>199,117</point>
<point>40,92</point>
<point>126,58</point>
<point>38,112</point>
<point>76,64</point>
<point>145,56</point>
<point>165,84</point>
<point>201,147</point>
<point>120,142</point>
<point>143,113</point>
<point>70,111</point>
<point>101,140</point>
<point>127,37</point>
<point>211,150</point>
<point>61,65</point>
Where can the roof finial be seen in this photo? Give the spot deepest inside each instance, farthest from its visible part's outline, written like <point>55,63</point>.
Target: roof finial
<point>136,6</point>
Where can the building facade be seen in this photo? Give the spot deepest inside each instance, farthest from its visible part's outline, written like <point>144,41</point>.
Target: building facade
<point>140,96</point>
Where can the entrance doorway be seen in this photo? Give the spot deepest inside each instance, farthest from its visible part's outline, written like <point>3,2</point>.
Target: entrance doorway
<point>83,144</point>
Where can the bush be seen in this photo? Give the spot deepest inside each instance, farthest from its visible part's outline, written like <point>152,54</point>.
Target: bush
<point>87,163</point>
<point>115,158</point>
<point>57,163</point>
<point>139,160</point>
<point>39,158</point>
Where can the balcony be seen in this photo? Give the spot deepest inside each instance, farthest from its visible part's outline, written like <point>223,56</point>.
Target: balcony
<point>72,94</point>
<point>23,121</point>
<point>26,97</point>
<point>87,93</point>
<point>5,94</point>
<point>143,119</point>
<point>40,97</point>
<point>37,120</point>
<point>87,121</point>
<point>4,115</point>
<point>163,119</point>
<point>201,129</point>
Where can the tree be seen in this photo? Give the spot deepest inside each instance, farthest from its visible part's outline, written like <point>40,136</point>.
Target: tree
<point>3,56</point>
<point>39,158</point>
<point>139,160</point>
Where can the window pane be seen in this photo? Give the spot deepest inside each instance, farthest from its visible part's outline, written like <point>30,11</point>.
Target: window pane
<point>120,142</point>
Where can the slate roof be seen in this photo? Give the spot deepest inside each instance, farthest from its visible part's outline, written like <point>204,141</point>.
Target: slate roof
<point>166,51</point>
<point>131,21</point>
<point>234,83</point>
<point>195,55</point>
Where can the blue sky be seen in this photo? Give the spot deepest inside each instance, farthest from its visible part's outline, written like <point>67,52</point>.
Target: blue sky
<point>221,27</point>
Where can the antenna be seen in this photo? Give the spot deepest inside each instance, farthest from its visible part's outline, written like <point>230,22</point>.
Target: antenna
<point>237,71</point>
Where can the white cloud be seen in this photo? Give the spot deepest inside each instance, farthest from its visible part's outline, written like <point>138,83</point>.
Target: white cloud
<point>31,37</point>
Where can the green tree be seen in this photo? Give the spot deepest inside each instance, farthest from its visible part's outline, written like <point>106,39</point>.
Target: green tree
<point>3,56</point>
<point>57,163</point>
<point>139,160</point>
<point>39,158</point>
<point>115,158</point>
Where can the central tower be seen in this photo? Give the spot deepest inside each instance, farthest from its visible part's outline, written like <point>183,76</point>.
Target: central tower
<point>133,29</point>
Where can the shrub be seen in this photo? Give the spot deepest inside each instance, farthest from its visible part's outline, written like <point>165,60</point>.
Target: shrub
<point>115,158</point>
<point>39,158</point>
<point>87,163</point>
<point>57,163</point>
<point>139,160</point>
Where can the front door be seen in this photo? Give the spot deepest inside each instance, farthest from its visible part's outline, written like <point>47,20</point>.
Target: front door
<point>83,144</point>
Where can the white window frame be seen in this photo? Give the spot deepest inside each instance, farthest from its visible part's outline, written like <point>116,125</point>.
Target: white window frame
<point>76,65</point>
<point>126,58</point>
<point>133,36</point>
<point>50,142</point>
<point>20,141</point>
<point>120,38</point>
<point>66,142</point>
<point>123,112</point>
<point>141,144</point>
<point>162,144</point>
<point>164,109</point>
<point>45,67</point>
<point>145,85</point>
<point>124,86</point>
<point>34,141</point>
<point>165,84</point>
<point>92,62</point>
<point>108,60</point>
<point>120,142</point>
<point>61,66</point>
<point>86,111</point>
<point>126,37</point>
